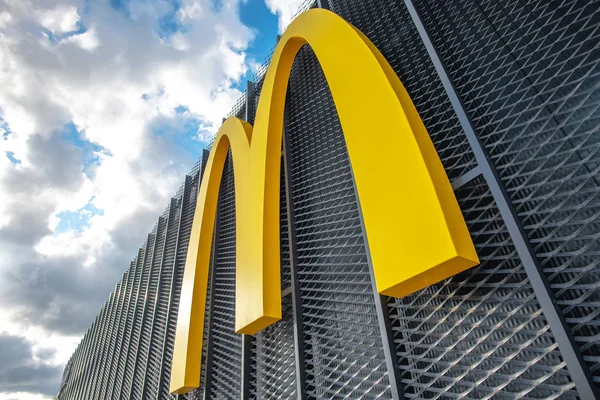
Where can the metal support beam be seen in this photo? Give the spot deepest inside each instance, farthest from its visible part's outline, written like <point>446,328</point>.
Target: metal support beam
<point>83,361</point>
<point>568,347</point>
<point>105,338</point>
<point>123,337</point>
<point>158,286</point>
<point>385,328</point>
<point>246,366</point>
<point>98,336</point>
<point>112,339</point>
<point>208,324</point>
<point>296,303</point>
<point>145,307</point>
<point>135,313</point>
<point>117,337</point>
<point>184,197</point>
<point>466,178</point>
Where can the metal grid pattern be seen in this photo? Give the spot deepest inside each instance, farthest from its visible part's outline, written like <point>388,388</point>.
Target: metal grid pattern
<point>143,347</point>
<point>275,373</point>
<point>480,334</point>
<point>341,339</point>
<point>188,203</point>
<point>397,39</point>
<point>159,324</point>
<point>529,74</point>
<point>131,348</point>
<point>225,374</point>
<point>273,367</point>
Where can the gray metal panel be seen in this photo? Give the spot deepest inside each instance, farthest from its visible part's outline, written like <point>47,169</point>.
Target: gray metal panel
<point>531,89</point>
<point>480,334</point>
<point>126,338</point>
<point>118,334</point>
<point>225,376</point>
<point>159,321</point>
<point>148,312</point>
<point>341,338</point>
<point>188,203</point>
<point>138,304</point>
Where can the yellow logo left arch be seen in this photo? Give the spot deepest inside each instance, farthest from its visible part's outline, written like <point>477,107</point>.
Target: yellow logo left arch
<point>414,228</point>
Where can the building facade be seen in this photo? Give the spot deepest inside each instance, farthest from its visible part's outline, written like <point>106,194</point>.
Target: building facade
<point>509,92</point>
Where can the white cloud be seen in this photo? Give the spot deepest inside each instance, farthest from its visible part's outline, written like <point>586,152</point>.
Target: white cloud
<point>114,78</point>
<point>190,10</point>
<point>87,40</point>
<point>285,10</point>
<point>61,19</point>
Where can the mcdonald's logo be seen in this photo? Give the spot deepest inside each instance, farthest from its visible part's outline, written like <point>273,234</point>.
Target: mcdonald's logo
<point>414,228</point>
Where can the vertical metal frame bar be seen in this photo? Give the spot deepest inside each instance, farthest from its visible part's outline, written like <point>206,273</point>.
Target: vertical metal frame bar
<point>83,360</point>
<point>114,355</point>
<point>209,350</point>
<point>184,196</point>
<point>569,349</point>
<point>246,366</point>
<point>296,303</point>
<point>105,337</point>
<point>113,336</point>
<point>160,269</point>
<point>387,337</point>
<point>135,313</point>
<point>95,351</point>
<point>145,308</point>
<point>118,381</point>
<point>383,319</point>
<point>78,368</point>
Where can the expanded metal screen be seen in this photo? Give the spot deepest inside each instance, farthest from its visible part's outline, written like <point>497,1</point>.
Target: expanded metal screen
<point>509,93</point>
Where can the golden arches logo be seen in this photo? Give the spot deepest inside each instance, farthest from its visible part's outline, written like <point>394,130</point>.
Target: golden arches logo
<point>414,229</point>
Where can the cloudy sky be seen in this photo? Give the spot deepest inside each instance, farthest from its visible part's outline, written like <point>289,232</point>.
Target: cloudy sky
<point>104,106</point>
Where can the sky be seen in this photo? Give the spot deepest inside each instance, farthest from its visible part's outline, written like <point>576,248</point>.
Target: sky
<point>105,105</point>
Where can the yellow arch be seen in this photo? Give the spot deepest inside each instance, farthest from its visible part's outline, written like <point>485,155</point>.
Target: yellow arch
<point>414,227</point>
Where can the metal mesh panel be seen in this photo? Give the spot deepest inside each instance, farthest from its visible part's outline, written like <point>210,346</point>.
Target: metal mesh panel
<point>529,75</point>
<point>113,338</point>
<point>225,375</point>
<point>239,108</point>
<point>274,352</point>
<point>98,350</point>
<point>342,342</point>
<point>148,313</point>
<point>138,304</point>
<point>161,306</point>
<point>129,316</point>
<point>132,350</point>
<point>187,217</point>
<point>120,330</point>
<point>198,394</point>
<point>481,333</point>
